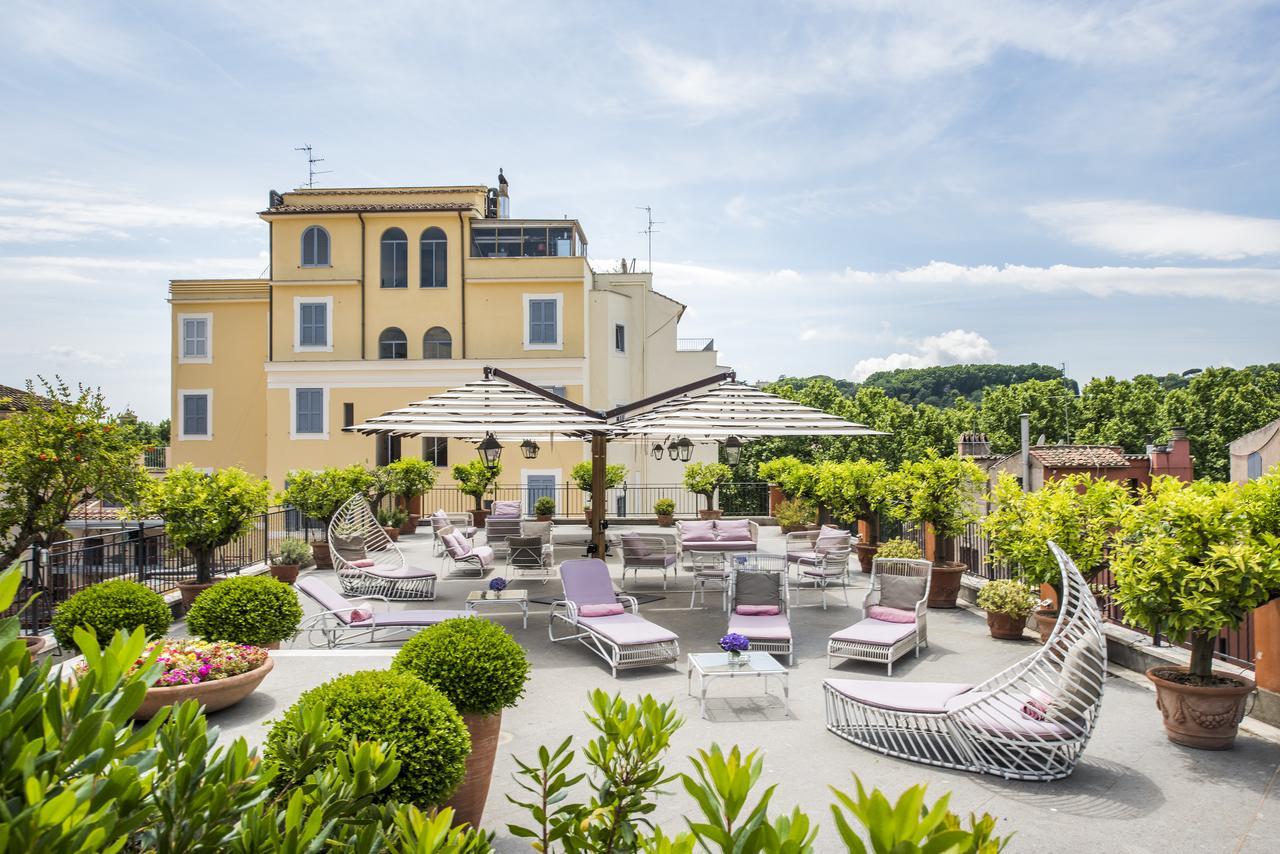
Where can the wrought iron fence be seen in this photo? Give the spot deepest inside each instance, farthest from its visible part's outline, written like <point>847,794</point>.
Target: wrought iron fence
<point>142,553</point>
<point>628,500</point>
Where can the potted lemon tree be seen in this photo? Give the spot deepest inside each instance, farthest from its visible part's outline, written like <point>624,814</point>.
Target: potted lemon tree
<point>704,479</point>
<point>320,494</point>
<point>855,491</point>
<point>614,475</point>
<point>1189,564</point>
<point>1008,603</point>
<point>474,478</point>
<point>408,479</point>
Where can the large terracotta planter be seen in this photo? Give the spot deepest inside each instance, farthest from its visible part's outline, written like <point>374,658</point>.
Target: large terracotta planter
<point>1045,621</point>
<point>542,517</point>
<point>393,533</point>
<point>866,554</point>
<point>1206,718</point>
<point>707,515</point>
<point>35,645</point>
<point>189,590</point>
<point>410,526</point>
<point>320,551</point>
<point>215,695</point>
<point>286,572</point>
<point>469,798</point>
<point>478,517</point>
<point>666,521</point>
<point>944,584</point>
<point>1005,626</point>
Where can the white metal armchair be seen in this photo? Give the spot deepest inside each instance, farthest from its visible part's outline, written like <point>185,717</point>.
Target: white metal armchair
<point>653,553</point>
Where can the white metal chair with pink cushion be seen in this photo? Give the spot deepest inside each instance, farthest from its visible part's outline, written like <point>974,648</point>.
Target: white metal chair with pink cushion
<point>368,563</point>
<point>896,609</point>
<point>341,622</point>
<point>607,623</point>
<point>459,521</point>
<point>1031,721</point>
<point>462,553</point>
<point>758,609</point>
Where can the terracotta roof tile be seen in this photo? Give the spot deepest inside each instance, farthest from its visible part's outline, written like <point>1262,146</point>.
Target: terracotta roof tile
<point>378,208</point>
<point>19,399</point>
<point>1080,456</point>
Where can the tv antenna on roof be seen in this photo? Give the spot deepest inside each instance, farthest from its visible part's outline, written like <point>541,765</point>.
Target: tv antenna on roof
<point>649,230</point>
<point>312,171</point>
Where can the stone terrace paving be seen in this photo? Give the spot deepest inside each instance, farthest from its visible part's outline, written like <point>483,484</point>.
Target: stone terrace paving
<point>1133,791</point>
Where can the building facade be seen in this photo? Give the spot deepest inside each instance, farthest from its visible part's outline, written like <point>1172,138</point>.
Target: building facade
<point>1255,453</point>
<point>379,297</point>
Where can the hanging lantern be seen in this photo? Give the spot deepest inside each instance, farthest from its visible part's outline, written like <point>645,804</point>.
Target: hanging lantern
<point>657,450</point>
<point>686,450</point>
<point>530,449</point>
<point>490,450</point>
<point>732,450</point>
<point>673,450</point>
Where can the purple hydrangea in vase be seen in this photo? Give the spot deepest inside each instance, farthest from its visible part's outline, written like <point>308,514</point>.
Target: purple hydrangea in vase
<point>735,644</point>
<point>497,585</point>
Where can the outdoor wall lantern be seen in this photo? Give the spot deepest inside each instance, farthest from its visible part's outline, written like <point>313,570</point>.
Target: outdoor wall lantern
<point>530,449</point>
<point>490,450</point>
<point>732,450</point>
<point>657,450</point>
<point>673,450</point>
<point>686,450</point>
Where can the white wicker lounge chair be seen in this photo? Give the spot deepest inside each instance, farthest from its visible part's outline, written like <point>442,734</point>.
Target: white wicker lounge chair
<point>653,553</point>
<point>463,555</point>
<point>753,588</point>
<point>1032,721</point>
<point>892,628</point>
<point>342,623</point>
<point>368,563</point>
<point>622,637</point>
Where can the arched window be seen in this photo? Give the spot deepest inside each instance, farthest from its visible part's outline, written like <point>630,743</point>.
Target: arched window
<point>315,247</point>
<point>435,273</point>
<point>437,344</point>
<point>395,259</point>
<point>392,344</point>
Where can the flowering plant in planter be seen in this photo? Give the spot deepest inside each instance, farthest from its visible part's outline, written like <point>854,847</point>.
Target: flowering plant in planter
<point>899,548</point>
<point>497,585</point>
<point>191,662</point>
<point>735,644</point>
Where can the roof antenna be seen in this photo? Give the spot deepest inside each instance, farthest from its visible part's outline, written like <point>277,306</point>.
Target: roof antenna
<point>649,230</point>
<point>312,171</point>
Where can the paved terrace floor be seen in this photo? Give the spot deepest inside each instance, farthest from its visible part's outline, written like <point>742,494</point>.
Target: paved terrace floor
<point>1133,791</point>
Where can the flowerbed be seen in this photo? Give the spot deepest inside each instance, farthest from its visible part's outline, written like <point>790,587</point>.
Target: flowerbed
<point>191,662</point>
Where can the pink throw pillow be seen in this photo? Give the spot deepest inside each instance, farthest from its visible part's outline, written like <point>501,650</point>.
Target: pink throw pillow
<point>1036,708</point>
<point>757,610</point>
<point>830,538</point>
<point>363,564</point>
<point>359,616</point>
<point>891,615</point>
<point>734,530</point>
<point>697,532</point>
<point>601,610</point>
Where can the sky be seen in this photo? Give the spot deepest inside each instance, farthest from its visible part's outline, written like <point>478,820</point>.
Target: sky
<point>842,187</point>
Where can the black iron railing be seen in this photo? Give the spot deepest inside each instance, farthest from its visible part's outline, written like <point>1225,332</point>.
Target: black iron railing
<point>735,499</point>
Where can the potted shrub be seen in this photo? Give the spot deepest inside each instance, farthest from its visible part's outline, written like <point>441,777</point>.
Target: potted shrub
<point>216,675</point>
<point>1078,512</point>
<point>110,606</point>
<point>388,707</point>
<point>1189,564</point>
<point>481,670</point>
<point>793,514</point>
<point>408,479</point>
<point>1008,603</point>
<point>248,609</point>
<point>665,510</point>
<point>202,512</point>
<point>939,493</point>
<point>900,548</point>
<point>291,555</point>
<point>474,478</point>
<point>544,508</point>
<point>614,475</point>
<point>391,518</point>
<point>704,479</point>
<point>854,492</point>
<point>320,494</point>
<point>794,479</point>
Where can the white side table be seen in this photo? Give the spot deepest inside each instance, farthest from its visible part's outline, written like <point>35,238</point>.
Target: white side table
<point>478,599</point>
<point>715,665</point>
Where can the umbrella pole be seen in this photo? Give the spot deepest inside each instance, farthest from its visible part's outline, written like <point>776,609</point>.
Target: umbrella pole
<point>599,459</point>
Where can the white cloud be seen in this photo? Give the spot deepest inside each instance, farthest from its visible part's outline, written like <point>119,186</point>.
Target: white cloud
<point>957,347</point>
<point>1139,228</point>
<point>64,355</point>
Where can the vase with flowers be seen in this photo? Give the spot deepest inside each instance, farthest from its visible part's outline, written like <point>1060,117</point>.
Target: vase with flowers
<point>735,644</point>
<point>496,586</point>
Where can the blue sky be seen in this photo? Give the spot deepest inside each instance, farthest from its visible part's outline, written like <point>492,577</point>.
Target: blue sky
<point>842,186</point>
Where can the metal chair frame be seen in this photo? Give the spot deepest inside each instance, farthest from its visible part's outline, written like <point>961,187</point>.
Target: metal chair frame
<point>355,519</point>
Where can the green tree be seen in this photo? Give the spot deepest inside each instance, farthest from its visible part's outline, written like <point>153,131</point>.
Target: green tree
<point>1130,413</point>
<point>941,385</point>
<point>320,494</point>
<point>1220,405</point>
<point>204,511</point>
<point>408,478</point>
<point>1048,402</point>
<point>614,475</point>
<point>705,478</point>
<point>474,478</point>
<point>854,490</point>
<point>55,455</point>
<point>940,491</point>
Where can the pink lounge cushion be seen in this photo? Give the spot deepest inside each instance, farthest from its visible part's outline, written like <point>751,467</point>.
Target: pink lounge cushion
<point>891,615</point>
<point>325,596</point>
<point>601,610</point>
<point>455,544</point>
<point>761,628</point>
<point>404,573</point>
<point>878,632</point>
<point>697,532</point>
<point>737,530</point>
<point>809,557</point>
<point>359,615</point>
<point>926,697</point>
<point>440,514</point>
<point>628,629</point>
<point>422,617</point>
<point>484,553</point>
<point>1001,715</point>
<point>505,510</point>
<point>363,563</point>
<point>757,610</point>
<point>587,582</point>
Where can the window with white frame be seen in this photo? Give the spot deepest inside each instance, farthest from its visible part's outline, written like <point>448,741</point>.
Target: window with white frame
<point>620,337</point>
<point>542,322</point>
<point>308,411</point>
<point>315,247</point>
<point>395,259</point>
<point>195,345</point>
<point>313,323</point>
<point>196,417</point>
<point>433,252</point>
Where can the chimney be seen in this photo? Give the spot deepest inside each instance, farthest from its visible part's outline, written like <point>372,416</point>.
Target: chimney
<point>504,199</point>
<point>973,445</point>
<point>1174,459</point>
<point>1024,429</point>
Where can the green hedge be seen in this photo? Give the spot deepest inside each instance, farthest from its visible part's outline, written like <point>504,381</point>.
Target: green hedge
<point>252,609</point>
<point>108,607</point>
<point>473,662</point>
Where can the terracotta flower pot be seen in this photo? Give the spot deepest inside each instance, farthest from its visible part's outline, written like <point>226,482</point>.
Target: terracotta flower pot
<point>1005,626</point>
<point>1194,716</point>
<point>944,584</point>
<point>478,517</point>
<point>469,799</point>
<point>286,572</point>
<point>415,519</point>
<point>707,515</point>
<point>189,590</point>
<point>35,645</point>
<point>393,533</point>
<point>215,695</point>
<point>866,554</point>
<point>410,526</point>
<point>320,551</point>
<point>1045,621</point>
<point>543,517</point>
<point>666,521</point>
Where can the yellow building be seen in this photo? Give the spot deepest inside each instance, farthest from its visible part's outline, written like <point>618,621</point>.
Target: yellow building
<point>379,297</point>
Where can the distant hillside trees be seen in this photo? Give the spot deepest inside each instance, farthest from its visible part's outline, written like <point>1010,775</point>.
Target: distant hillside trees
<point>940,386</point>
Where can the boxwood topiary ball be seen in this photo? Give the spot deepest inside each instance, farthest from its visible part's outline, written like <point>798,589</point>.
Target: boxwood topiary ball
<point>252,609</point>
<point>429,737</point>
<point>473,662</point>
<point>109,606</point>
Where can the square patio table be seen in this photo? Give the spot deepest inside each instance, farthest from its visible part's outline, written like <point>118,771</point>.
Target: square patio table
<point>478,599</point>
<point>715,665</point>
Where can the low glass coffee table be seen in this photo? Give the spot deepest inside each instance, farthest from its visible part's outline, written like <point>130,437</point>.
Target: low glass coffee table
<point>715,665</point>
<point>478,599</point>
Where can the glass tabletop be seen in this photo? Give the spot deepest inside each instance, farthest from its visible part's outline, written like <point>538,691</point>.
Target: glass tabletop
<point>496,596</point>
<point>718,663</point>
